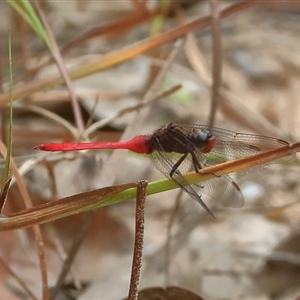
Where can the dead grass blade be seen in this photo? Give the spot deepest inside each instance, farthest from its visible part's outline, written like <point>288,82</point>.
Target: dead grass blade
<point>36,229</point>
<point>111,195</point>
<point>143,103</point>
<point>63,70</point>
<point>49,115</point>
<point>120,56</point>
<point>64,207</point>
<point>216,61</point>
<point>117,27</point>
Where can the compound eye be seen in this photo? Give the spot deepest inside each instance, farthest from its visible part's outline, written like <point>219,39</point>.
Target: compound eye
<point>203,137</point>
<point>204,141</point>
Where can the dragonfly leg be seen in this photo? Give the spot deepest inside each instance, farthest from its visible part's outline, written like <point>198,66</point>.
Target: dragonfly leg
<point>196,163</point>
<point>197,166</point>
<point>176,166</point>
<point>190,190</point>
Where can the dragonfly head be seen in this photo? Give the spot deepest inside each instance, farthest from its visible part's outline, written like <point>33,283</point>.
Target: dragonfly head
<point>204,140</point>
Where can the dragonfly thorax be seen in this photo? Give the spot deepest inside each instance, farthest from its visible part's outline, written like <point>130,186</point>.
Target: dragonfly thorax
<point>175,138</point>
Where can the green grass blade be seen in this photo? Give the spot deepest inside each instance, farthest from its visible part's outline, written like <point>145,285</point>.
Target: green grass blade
<point>6,170</point>
<point>26,11</point>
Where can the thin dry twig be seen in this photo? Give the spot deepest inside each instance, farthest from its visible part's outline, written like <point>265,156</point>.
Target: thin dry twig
<point>49,115</point>
<point>139,240</point>
<point>129,109</point>
<point>76,243</point>
<point>216,60</point>
<point>62,68</point>
<point>19,280</point>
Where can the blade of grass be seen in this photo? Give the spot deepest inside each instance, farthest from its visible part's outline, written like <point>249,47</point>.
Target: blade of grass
<point>159,20</point>
<point>10,125</point>
<point>25,9</point>
<point>6,170</point>
<point>99,198</point>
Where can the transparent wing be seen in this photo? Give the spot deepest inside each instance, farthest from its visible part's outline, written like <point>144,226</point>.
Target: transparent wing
<point>230,145</point>
<point>222,189</point>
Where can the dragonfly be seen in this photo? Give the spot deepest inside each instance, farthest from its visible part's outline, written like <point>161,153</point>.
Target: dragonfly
<point>178,149</point>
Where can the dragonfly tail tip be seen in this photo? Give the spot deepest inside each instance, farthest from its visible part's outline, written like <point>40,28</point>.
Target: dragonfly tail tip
<point>39,147</point>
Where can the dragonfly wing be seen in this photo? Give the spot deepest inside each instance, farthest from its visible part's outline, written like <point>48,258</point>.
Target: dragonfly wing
<point>225,191</point>
<point>264,143</point>
<point>230,145</point>
<point>222,189</point>
<point>164,163</point>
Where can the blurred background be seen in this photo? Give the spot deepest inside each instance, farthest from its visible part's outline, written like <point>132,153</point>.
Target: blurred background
<point>239,72</point>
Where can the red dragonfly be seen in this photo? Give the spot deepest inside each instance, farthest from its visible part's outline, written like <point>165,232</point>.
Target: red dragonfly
<point>178,149</point>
